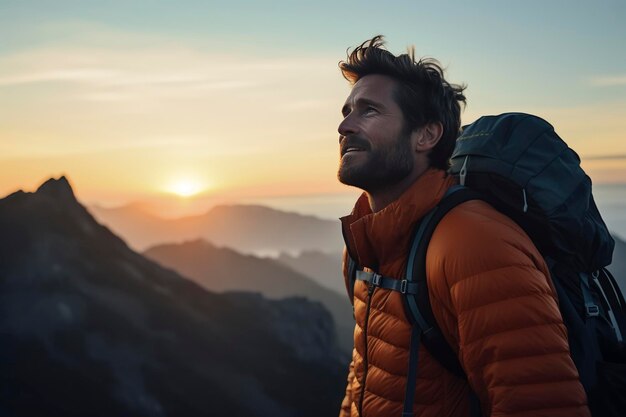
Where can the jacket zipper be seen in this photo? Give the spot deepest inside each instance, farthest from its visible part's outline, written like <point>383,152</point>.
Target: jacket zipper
<point>370,292</point>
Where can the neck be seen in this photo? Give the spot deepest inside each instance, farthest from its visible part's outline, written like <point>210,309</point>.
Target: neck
<point>381,198</point>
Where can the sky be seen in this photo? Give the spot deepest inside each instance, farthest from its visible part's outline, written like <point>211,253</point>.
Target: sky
<point>239,101</point>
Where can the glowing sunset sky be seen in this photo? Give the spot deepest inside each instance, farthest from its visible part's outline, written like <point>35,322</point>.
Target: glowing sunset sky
<point>137,100</point>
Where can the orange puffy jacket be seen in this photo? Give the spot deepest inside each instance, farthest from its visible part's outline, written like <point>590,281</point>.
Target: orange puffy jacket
<point>490,295</point>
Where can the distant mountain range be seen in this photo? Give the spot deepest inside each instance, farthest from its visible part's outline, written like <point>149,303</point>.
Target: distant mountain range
<point>223,269</point>
<point>249,229</point>
<point>323,267</point>
<point>306,244</point>
<point>90,328</point>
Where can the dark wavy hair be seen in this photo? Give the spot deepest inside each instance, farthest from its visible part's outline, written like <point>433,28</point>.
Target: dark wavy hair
<point>423,94</point>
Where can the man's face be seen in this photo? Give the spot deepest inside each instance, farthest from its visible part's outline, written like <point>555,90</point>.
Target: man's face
<point>375,147</point>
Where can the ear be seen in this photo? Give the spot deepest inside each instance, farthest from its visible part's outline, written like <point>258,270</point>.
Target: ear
<point>426,137</point>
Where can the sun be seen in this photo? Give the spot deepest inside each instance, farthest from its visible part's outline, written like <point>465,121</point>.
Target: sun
<point>185,188</point>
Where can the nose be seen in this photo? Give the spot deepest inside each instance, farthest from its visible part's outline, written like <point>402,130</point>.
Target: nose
<point>346,127</point>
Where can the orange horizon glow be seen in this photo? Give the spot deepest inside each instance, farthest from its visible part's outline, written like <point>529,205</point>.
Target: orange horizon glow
<point>188,195</point>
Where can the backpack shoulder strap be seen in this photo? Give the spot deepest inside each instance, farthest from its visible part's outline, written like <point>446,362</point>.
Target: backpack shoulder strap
<point>352,267</point>
<point>418,305</point>
<point>352,270</point>
<point>417,302</point>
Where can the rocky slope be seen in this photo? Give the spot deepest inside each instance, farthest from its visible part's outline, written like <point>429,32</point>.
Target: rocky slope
<point>223,269</point>
<point>324,267</point>
<point>89,327</point>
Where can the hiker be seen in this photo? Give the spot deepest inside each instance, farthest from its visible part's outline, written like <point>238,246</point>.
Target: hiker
<point>488,285</point>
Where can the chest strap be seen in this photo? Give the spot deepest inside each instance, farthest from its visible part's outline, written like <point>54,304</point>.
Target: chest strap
<point>400,285</point>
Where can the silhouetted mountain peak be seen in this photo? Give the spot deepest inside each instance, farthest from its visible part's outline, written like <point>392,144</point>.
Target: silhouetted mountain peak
<point>90,327</point>
<point>51,214</point>
<point>59,189</point>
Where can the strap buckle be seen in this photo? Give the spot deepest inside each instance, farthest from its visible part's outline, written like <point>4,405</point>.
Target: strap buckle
<point>404,284</point>
<point>376,278</point>
<point>592,310</point>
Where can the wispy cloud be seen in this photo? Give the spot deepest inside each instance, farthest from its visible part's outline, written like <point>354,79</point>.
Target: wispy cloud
<point>71,75</point>
<point>112,71</point>
<point>609,81</point>
<point>83,98</point>
<point>109,74</point>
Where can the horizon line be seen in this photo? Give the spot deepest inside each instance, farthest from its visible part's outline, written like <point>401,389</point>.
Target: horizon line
<point>603,157</point>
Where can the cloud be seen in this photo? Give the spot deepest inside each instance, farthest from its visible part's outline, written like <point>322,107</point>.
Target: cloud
<point>170,71</point>
<point>609,81</point>
<point>107,69</point>
<point>68,75</point>
<point>73,98</point>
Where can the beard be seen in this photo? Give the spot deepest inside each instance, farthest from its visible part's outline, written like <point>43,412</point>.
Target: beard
<point>381,167</point>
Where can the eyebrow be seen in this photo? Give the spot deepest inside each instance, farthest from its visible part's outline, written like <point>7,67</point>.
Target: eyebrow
<point>361,102</point>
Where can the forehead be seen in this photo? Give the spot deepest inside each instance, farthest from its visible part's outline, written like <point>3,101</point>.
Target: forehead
<point>373,88</point>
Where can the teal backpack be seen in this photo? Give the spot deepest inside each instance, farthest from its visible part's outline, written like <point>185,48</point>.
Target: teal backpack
<point>518,164</point>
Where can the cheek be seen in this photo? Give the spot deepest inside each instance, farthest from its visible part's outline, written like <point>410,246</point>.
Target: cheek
<point>378,133</point>
<point>387,127</point>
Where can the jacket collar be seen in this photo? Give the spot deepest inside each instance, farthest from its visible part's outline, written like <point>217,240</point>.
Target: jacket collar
<point>376,239</point>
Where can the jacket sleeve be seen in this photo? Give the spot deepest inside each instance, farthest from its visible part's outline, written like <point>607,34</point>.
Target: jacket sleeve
<point>511,337</point>
<point>346,404</point>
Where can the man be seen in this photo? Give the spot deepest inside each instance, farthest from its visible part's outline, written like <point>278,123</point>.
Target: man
<point>487,282</point>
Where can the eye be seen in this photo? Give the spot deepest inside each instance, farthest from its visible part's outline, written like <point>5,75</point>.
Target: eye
<point>370,110</point>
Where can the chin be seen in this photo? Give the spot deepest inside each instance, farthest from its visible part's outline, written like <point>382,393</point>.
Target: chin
<point>350,179</point>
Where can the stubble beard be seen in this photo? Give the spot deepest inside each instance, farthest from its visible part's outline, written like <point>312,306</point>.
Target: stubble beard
<point>382,167</point>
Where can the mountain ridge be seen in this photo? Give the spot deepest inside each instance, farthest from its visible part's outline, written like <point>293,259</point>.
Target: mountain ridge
<point>248,228</point>
<point>224,269</point>
<point>92,328</point>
